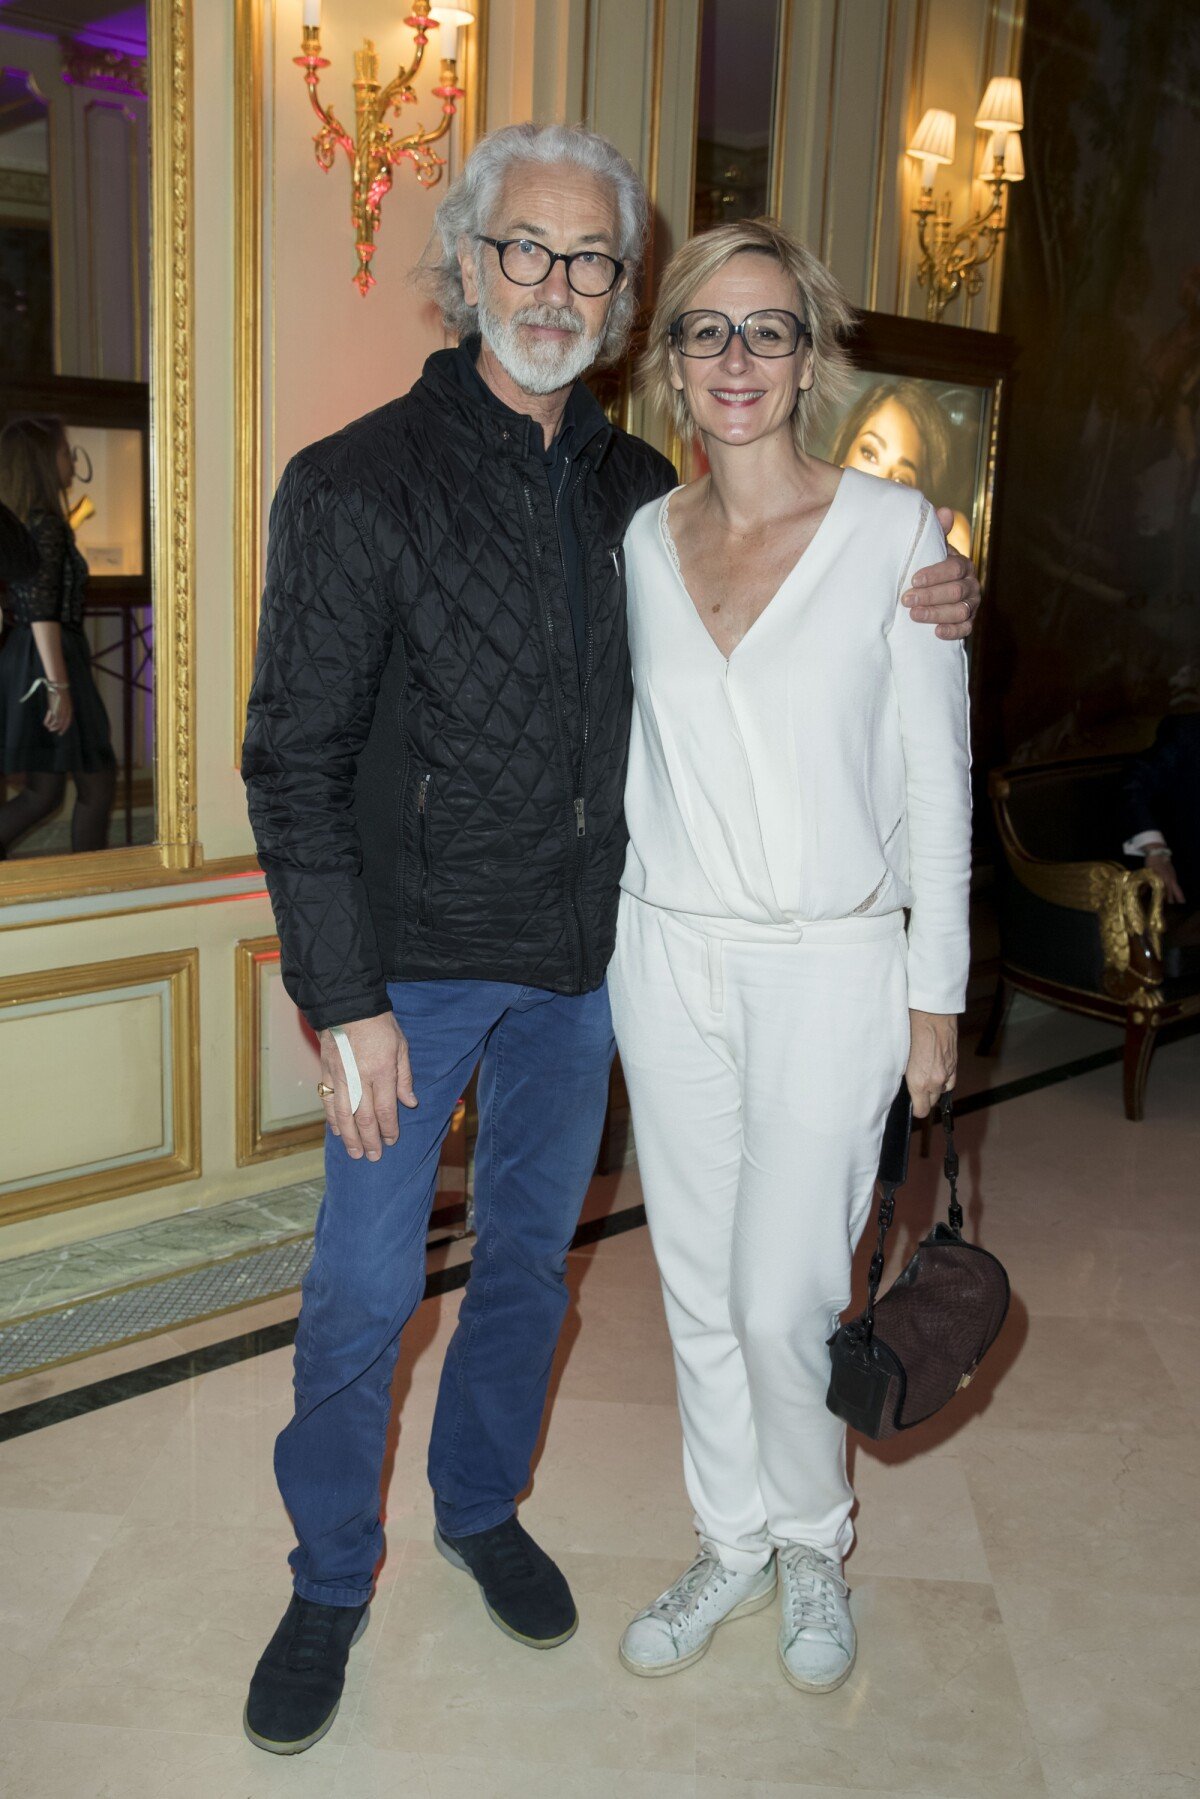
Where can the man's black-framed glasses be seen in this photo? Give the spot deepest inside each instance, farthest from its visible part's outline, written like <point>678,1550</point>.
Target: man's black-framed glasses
<point>528,263</point>
<point>766,333</point>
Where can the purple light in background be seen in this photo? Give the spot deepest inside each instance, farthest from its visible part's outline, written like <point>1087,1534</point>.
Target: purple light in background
<point>123,30</point>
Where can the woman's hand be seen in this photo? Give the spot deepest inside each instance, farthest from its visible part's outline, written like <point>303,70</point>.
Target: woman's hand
<point>60,711</point>
<point>932,1058</point>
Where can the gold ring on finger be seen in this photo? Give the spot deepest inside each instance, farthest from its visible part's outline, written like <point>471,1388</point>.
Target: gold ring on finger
<point>325,1091</point>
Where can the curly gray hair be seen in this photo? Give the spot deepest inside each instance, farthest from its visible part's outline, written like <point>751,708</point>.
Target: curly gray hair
<point>468,208</point>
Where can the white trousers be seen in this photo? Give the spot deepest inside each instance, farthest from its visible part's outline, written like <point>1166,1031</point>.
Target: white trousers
<point>760,1071</point>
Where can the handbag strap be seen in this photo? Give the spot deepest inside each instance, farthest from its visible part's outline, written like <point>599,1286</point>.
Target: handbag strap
<point>950,1161</point>
<point>893,1172</point>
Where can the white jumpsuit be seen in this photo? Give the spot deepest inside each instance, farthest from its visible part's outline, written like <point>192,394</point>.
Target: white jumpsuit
<point>785,806</point>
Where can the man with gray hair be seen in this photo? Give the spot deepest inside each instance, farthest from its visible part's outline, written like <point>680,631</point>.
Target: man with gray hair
<point>435,760</point>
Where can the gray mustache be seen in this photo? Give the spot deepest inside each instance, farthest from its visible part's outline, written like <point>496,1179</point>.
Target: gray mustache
<point>554,318</point>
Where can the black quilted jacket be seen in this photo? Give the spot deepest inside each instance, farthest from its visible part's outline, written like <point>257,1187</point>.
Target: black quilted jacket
<point>435,786</point>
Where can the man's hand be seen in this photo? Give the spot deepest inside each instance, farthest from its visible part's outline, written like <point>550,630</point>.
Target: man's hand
<point>946,595</point>
<point>1158,859</point>
<point>932,1059</point>
<point>381,1052</point>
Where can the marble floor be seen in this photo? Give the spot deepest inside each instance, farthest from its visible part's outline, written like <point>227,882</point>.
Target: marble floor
<point>1026,1579</point>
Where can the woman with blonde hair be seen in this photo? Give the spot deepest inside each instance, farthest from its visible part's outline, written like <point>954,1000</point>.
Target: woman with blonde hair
<point>798,779</point>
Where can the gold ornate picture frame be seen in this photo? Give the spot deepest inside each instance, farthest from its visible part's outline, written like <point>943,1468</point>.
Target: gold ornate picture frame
<point>175,847</point>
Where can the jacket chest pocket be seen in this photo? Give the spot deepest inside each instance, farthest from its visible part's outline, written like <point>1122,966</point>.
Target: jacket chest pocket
<point>424,804</point>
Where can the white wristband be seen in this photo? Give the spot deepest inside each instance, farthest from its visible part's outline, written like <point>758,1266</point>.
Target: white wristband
<point>353,1078</point>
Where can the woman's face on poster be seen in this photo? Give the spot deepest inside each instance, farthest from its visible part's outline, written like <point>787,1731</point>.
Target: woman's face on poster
<point>889,445</point>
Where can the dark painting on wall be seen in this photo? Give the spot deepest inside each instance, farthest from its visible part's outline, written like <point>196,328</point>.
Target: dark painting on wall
<point>1093,629</point>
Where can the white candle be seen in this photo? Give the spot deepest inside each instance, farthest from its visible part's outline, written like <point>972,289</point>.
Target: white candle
<point>448,36</point>
<point>312,15</point>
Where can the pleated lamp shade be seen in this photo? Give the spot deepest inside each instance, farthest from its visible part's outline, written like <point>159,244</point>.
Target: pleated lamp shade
<point>1002,108</point>
<point>1014,158</point>
<point>934,140</point>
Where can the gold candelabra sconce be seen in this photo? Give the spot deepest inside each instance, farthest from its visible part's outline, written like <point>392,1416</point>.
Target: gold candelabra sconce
<point>373,149</point>
<point>953,260</point>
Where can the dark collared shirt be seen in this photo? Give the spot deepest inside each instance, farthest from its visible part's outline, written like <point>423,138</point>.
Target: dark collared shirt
<point>561,463</point>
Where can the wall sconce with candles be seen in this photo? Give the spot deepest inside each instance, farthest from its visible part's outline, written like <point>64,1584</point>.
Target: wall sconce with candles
<point>372,150</point>
<point>950,259</point>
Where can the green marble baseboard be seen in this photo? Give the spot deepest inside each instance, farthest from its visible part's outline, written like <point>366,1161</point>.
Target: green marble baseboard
<point>54,1277</point>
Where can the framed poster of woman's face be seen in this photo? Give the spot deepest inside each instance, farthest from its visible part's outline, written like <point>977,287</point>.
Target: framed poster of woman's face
<point>924,410</point>
<point>925,434</point>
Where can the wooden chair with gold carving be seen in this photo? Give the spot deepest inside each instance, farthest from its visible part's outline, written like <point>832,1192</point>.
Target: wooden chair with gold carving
<point>1078,928</point>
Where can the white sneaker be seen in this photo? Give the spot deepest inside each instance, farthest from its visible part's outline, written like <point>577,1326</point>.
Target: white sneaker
<point>676,1630</point>
<point>817,1644</point>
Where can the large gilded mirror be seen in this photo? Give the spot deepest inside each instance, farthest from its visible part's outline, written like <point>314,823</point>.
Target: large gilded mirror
<point>95,744</point>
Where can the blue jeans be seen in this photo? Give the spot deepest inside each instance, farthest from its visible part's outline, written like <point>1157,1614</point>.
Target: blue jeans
<point>543,1086</point>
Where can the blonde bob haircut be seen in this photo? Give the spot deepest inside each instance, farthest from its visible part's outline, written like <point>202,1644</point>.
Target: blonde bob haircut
<point>822,305</point>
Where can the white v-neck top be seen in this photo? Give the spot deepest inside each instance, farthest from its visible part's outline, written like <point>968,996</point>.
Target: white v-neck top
<point>823,770</point>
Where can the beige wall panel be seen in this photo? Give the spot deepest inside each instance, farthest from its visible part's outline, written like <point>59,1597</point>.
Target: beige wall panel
<point>291,1058</point>
<point>848,207</point>
<point>213,929</point>
<point>278,1061</point>
<point>621,69</point>
<point>807,124</point>
<point>111,1105</point>
<point>512,32</point>
<point>103,1062</point>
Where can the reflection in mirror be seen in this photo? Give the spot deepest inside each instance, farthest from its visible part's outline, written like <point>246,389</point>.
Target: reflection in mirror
<point>26,314</point>
<point>76,656</point>
<point>739,50</point>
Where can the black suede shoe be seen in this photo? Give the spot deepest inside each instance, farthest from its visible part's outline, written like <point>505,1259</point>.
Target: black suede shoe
<point>297,1686</point>
<point>525,1594</point>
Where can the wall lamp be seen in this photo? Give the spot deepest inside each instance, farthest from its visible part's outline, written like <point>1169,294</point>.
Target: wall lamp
<point>373,151</point>
<point>950,259</point>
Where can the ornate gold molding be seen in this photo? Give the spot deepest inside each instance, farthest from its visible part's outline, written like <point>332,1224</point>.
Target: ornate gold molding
<point>85,65</point>
<point>254,1143</point>
<point>181,1160</point>
<point>473,116</point>
<point>783,73</point>
<point>247,351</point>
<point>883,157</point>
<point>172,434</point>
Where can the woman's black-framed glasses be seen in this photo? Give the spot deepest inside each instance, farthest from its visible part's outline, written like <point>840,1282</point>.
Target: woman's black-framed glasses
<point>528,263</point>
<point>766,333</point>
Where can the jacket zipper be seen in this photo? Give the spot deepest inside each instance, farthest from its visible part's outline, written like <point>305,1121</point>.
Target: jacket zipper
<point>563,744</point>
<point>586,702</point>
<point>424,908</point>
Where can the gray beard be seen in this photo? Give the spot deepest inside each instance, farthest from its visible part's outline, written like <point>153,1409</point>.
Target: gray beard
<point>537,368</point>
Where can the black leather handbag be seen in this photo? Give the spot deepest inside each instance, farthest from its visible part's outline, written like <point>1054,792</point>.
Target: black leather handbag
<point>910,1352</point>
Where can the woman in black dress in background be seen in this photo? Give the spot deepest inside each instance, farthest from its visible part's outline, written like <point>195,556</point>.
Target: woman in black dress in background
<point>18,552</point>
<point>52,719</point>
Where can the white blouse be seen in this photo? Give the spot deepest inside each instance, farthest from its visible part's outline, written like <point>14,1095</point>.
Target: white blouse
<point>823,769</point>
